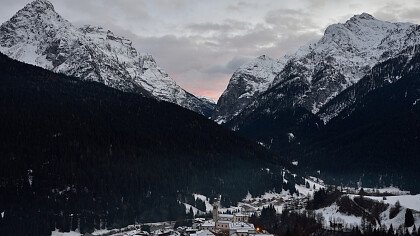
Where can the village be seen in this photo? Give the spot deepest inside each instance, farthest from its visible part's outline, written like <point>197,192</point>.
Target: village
<point>232,221</point>
<point>226,224</point>
<point>235,220</point>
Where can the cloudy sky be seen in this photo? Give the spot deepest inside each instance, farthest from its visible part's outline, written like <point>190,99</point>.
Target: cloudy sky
<point>201,42</point>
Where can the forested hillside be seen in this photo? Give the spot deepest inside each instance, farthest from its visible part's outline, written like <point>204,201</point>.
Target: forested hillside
<point>80,154</point>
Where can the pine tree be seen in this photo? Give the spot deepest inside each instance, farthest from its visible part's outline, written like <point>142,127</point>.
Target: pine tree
<point>364,224</point>
<point>409,219</point>
<point>190,214</point>
<point>391,230</point>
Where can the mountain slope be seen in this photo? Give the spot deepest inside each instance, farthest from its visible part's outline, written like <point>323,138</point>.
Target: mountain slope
<point>346,106</point>
<point>38,35</point>
<point>376,138</point>
<point>380,75</point>
<point>313,80</point>
<point>80,151</point>
<point>324,69</point>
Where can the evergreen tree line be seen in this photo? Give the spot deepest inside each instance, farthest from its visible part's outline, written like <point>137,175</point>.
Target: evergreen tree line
<point>308,223</point>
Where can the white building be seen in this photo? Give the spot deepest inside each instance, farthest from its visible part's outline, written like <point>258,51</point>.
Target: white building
<point>223,225</point>
<point>208,225</point>
<point>225,217</point>
<point>240,217</point>
<point>241,229</point>
<point>203,233</point>
<point>234,224</point>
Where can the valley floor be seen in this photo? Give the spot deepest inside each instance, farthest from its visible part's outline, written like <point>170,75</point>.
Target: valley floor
<point>333,215</point>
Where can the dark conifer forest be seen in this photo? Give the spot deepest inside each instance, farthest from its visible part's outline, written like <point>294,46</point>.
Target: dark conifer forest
<point>82,155</point>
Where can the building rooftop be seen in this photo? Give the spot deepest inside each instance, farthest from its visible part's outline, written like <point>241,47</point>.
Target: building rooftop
<point>224,222</point>
<point>241,226</point>
<point>203,233</point>
<point>208,223</point>
<point>225,216</point>
<point>240,214</point>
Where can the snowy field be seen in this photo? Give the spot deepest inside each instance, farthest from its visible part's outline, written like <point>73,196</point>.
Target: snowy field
<point>407,201</point>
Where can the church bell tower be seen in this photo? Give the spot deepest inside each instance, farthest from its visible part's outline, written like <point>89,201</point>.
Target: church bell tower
<point>216,210</point>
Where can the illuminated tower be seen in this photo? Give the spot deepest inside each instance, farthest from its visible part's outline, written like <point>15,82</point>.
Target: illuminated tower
<point>216,210</point>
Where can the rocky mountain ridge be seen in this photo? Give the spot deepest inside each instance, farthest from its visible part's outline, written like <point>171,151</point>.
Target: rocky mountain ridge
<point>38,35</point>
<point>315,74</point>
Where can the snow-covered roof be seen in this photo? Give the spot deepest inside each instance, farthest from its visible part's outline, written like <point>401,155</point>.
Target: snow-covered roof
<point>225,216</point>
<point>203,233</point>
<point>223,222</point>
<point>240,214</point>
<point>208,223</point>
<point>241,226</point>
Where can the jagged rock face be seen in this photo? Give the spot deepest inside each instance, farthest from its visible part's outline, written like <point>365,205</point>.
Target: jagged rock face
<point>381,75</point>
<point>317,73</point>
<point>245,85</point>
<point>40,36</point>
<point>321,80</point>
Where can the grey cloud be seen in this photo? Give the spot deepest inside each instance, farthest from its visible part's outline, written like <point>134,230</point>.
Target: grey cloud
<point>290,20</point>
<point>227,25</point>
<point>230,67</point>
<point>398,12</point>
<point>195,60</point>
<point>104,12</point>
<point>241,5</point>
<point>237,62</point>
<point>201,53</point>
<point>411,14</point>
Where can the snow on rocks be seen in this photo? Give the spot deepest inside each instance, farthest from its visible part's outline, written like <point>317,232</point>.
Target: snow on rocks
<point>38,35</point>
<point>248,81</point>
<point>321,71</point>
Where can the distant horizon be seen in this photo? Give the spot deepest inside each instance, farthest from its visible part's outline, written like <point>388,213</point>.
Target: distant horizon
<point>200,44</point>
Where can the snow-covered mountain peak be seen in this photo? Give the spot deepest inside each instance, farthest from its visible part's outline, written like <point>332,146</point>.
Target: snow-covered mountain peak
<point>259,67</point>
<point>342,57</point>
<point>363,16</point>
<point>317,72</point>
<point>263,57</point>
<point>36,13</point>
<point>360,33</point>
<point>248,81</point>
<point>39,6</point>
<point>40,36</point>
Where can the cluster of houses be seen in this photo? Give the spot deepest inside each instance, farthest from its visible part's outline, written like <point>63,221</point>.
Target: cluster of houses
<point>235,224</point>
